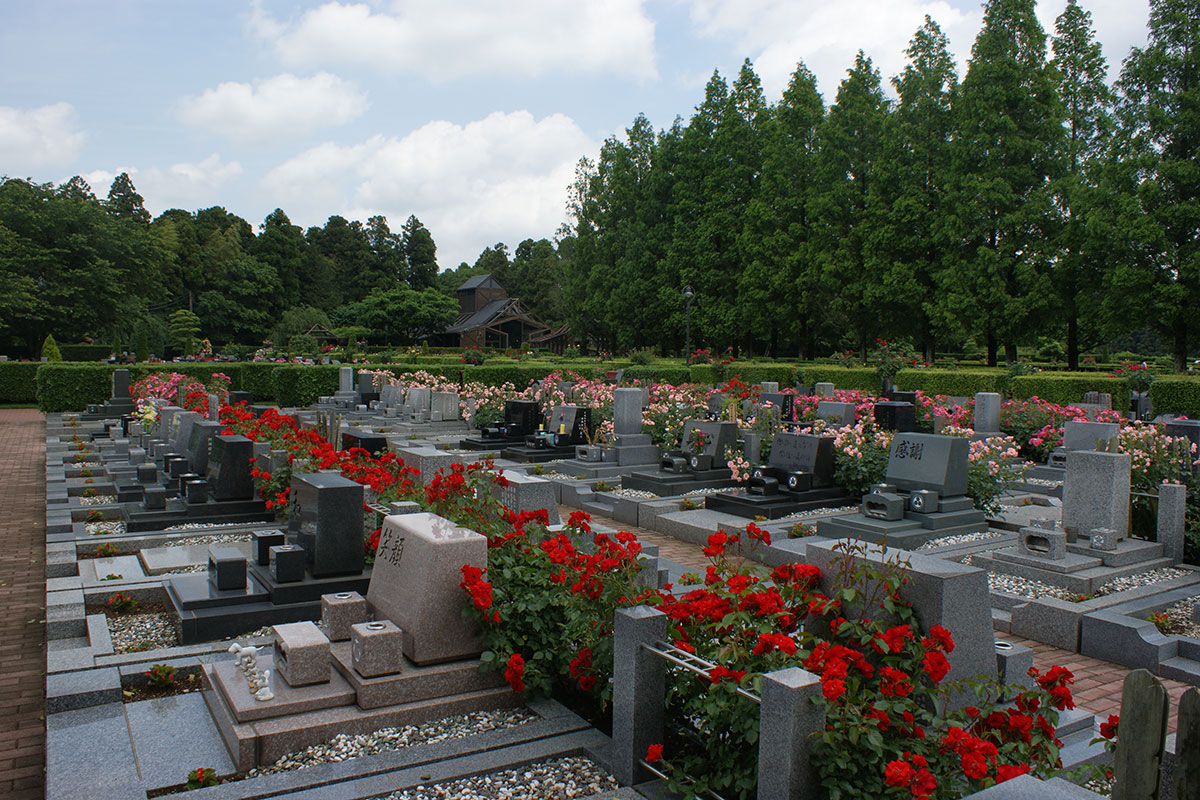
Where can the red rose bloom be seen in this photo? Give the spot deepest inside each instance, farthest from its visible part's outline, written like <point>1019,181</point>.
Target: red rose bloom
<point>653,753</point>
<point>514,673</point>
<point>898,773</point>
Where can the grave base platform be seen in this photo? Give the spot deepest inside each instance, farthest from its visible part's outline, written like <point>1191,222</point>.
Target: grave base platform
<point>537,455</point>
<point>265,741</point>
<point>177,512</point>
<point>195,591</point>
<point>906,534</point>
<point>229,681</point>
<point>776,506</point>
<point>479,443</point>
<point>310,589</point>
<point>668,484</point>
<point>413,683</point>
<point>596,469</point>
<point>1081,582</point>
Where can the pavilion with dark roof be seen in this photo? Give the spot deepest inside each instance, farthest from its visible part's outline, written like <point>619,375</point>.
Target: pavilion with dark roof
<point>488,317</point>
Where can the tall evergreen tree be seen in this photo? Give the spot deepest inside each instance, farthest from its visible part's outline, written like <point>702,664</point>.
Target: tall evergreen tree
<point>280,244</point>
<point>1080,267</point>
<point>1159,94</point>
<point>905,242</point>
<point>779,295</point>
<point>124,202</point>
<point>851,148</point>
<point>387,250</point>
<point>420,254</point>
<point>1010,129</point>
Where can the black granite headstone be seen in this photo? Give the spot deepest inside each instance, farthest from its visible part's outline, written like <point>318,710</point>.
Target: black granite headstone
<point>198,442</point>
<point>520,417</point>
<point>240,397</point>
<point>373,443</point>
<point>229,468</point>
<point>895,416</point>
<point>327,520</point>
<point>804,452</point>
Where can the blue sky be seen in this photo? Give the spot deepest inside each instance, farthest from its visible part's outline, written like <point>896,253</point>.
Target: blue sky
<point>468,113</point>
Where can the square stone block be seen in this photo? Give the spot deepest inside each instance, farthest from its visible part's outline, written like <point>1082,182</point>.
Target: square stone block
<point>196,491</point>
<point>301,653</point>
<point>147,473</point>
<point>176,466</point>
<point>263,542</point>
<point>226,568</point>
<point>287,563</point>
<point>1104,539</point>
<point>1042,543</point>
<point>339,612</point>
<point>376,648</point>
<point>156,498</point>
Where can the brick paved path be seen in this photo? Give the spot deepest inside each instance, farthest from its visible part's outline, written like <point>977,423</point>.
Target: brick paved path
<point>22,598</point>
<point>1097,685</point>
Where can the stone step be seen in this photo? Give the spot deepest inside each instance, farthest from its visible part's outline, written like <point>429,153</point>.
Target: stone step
<point>1180,669</point>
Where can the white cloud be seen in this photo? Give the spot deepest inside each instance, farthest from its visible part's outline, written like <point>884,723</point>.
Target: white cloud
<point>189,185</point>
<point>776,34</point>
<point>1118,24</point>
<point>444,41</point>
<point>38,137</point>
<point>101,179</point>
<point>278,107</point>
<point>501,178</point>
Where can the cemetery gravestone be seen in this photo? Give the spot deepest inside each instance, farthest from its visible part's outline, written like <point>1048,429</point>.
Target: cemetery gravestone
<point>415,583</point>
<point>326,520</point>
<point>987,412</point>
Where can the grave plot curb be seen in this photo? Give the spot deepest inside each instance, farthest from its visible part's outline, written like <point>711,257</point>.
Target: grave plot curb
<point>1058,622</point>
<point>1122,634</point>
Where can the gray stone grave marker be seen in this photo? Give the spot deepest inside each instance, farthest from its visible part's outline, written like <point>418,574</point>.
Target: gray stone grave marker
<point>627,412</point>
<point>1096,492</point>
<point>987,412</point>
<point>804,452</point>
<point>837,413</point>
<point>925,461</point>
<point>345,379</point>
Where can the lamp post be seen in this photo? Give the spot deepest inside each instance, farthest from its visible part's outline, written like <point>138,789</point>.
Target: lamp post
<point>688,294</point>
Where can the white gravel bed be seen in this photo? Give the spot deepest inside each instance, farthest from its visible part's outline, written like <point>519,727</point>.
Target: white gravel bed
<point>638,493</point>
<point>1042,482</point>
<point>196,526</point>
<point>559,476</point>
<point>109,526</point>
<point>98,500</point>
<point>708,491</point>
<point>346,746</point>
<point>131,633</point>
<point>547,780</point>
<point>962,538</point>
<point>1181,622</point>
<point>186,570</point>
<point>210,539</point>
<point>1025,587</point>
<point>819,512</point>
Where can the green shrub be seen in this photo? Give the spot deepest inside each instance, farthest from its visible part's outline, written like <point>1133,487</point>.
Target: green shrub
<point>142,346</point>
<point>256,379</point>
<point>783,374</point>
<point>50,350</point>
<point>954,383</point>
<point>302,344</point>
<point>84,352</point>
<point>300,385</point>
<point>65,386</point>
<point>641,358</point>
<point>1175,396</point>
<point>657,374</point>
<point>863,378</point>
<point>18,381</point>
<point>1068,387</point>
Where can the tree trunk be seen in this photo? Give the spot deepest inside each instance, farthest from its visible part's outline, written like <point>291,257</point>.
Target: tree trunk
<point>991,349</point>
<point>1181,348</point>
<point>1010,353</point>
<point>930,350</point>
<point>1073,343</point>
<point>773,342</point>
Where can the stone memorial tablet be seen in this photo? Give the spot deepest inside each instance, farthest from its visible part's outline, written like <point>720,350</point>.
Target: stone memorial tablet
<point>1088,435</point>
<point>415,584</point>
<point>804,452</point>
<point>229,466</point>
<point>926,461</point>
<point>326,519</point>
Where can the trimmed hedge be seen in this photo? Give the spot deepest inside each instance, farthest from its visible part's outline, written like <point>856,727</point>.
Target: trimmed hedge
<point>1176,396</point>
<point>18,381</point>
<point>660,374</point>
<point>300,385</point>
<point>1065,388</point>
<point>863,378</point>
<point>783,374</point>
<point>67,386</point>
<point>954,383</point>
